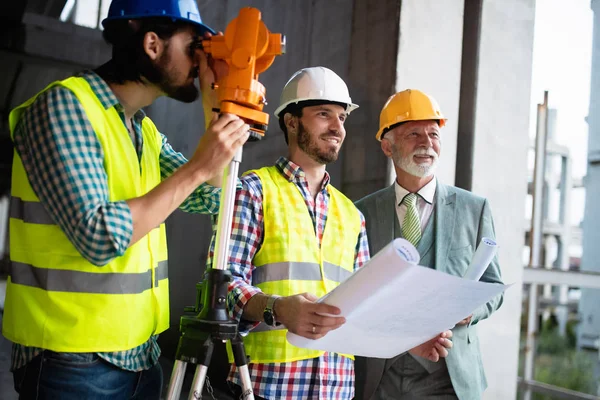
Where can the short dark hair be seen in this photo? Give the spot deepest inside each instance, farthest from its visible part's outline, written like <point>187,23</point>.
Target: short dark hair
<point>129,60</point>
<point>296,110</point>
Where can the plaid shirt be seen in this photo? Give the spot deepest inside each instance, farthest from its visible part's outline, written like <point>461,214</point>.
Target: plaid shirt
<point>330,376</point>
<point>64,162</point>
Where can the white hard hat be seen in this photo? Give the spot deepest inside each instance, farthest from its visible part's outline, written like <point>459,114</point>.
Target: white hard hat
<point>315,83</point>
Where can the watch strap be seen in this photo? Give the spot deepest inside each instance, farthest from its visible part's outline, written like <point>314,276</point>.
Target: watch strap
<point>269,308</point>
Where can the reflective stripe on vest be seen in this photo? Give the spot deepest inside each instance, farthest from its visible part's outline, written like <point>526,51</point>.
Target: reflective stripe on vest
<point>298,271</point>
<point>32,212</point>
<point>62,280</point>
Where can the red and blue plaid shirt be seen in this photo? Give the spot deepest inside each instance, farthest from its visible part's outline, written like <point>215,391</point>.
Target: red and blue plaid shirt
<point>330,376</point>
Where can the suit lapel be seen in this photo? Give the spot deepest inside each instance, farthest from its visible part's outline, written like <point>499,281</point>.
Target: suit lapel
<point>445,213</point>
<point>386,212</point>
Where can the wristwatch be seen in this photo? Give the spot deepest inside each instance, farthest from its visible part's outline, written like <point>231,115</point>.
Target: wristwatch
<point>269,312</point>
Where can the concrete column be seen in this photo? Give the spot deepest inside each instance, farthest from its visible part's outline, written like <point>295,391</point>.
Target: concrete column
<point>500,170</point>
<point>589,328</point>
<point>429,59</point>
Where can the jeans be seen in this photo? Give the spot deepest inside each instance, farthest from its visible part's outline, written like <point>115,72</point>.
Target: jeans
<point>82,376</point>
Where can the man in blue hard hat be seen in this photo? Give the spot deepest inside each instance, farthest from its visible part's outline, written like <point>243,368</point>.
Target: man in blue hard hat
<point>93,181</point>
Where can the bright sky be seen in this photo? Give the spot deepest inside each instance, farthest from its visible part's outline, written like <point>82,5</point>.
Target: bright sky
<point>562,54</point>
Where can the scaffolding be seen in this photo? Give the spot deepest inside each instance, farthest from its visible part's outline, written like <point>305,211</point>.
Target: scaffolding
<point>545,271</point>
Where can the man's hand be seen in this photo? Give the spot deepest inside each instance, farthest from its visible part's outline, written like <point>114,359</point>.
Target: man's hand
<point>218,145</point>
<point>300,315</point>
<point>434,348</point>
<point>465,321</point>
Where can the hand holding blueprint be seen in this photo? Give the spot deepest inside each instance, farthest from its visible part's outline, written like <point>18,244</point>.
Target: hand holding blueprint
<point>392,305</point>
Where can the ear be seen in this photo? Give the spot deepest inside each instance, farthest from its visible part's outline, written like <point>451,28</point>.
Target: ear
<point>291,123</point>
<point>153,45</point>
<point>386,147</point>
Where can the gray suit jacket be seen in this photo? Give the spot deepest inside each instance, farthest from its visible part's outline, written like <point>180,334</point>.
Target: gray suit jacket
<point>461,219</point>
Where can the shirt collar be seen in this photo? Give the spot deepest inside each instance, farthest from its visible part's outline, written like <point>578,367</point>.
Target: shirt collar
<point>105,94</point>
<point>292,171</point>
<point>427,192</point>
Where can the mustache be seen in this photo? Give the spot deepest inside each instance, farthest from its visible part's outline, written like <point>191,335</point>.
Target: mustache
<point>332,134</point>
<point>428,152</point>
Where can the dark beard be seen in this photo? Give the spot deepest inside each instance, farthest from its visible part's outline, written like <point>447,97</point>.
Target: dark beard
<point>308,146</point>
<point>161,75</point>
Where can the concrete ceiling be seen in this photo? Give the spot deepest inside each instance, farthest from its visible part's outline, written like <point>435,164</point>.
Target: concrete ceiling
<point>49,8</point>
<point>37,48</point>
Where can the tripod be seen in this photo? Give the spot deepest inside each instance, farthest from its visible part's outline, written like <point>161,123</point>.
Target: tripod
<point>212,323</point>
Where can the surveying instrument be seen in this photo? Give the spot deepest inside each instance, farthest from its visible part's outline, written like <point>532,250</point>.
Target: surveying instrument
<point>249,49</point>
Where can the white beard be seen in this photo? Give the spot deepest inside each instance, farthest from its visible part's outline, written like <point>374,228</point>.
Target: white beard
<point>408,164</point>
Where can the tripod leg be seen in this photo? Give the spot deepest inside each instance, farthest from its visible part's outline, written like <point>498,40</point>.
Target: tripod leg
<point>201,368</point>
<point>198,383</point>
<point>241,362</point>
<point>176,382</point>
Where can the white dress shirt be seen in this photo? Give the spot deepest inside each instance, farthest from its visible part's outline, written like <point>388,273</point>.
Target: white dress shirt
<point>425,202</point>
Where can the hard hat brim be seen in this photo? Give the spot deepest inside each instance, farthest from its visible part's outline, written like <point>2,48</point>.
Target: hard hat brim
<point>349,106</point>
<point>380,132</point>
<point>203,28</point>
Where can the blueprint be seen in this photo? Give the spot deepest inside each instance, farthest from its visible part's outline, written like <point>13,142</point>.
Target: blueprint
<point>392,305</point>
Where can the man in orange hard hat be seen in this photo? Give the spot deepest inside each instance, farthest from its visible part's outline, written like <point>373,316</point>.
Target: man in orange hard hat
<point>445,224</point>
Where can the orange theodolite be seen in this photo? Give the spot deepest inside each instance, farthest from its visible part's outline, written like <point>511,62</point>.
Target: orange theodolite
<point>249,49</point>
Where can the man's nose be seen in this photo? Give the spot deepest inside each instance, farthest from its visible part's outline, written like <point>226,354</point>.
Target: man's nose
<point>425,140</point>
<point>337,126</point>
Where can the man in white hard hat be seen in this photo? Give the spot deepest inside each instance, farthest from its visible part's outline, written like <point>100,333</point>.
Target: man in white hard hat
<point>295,237</point>
<point>446,224</point>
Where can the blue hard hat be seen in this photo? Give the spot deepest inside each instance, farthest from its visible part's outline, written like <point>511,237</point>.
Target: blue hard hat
<point>181,10</point>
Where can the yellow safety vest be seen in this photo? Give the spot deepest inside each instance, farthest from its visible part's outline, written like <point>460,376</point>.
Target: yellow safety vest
<point>290,261</point>
<point>55,298</point>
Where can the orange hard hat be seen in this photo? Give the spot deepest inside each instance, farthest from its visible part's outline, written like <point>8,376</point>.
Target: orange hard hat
<point>408,105</point>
